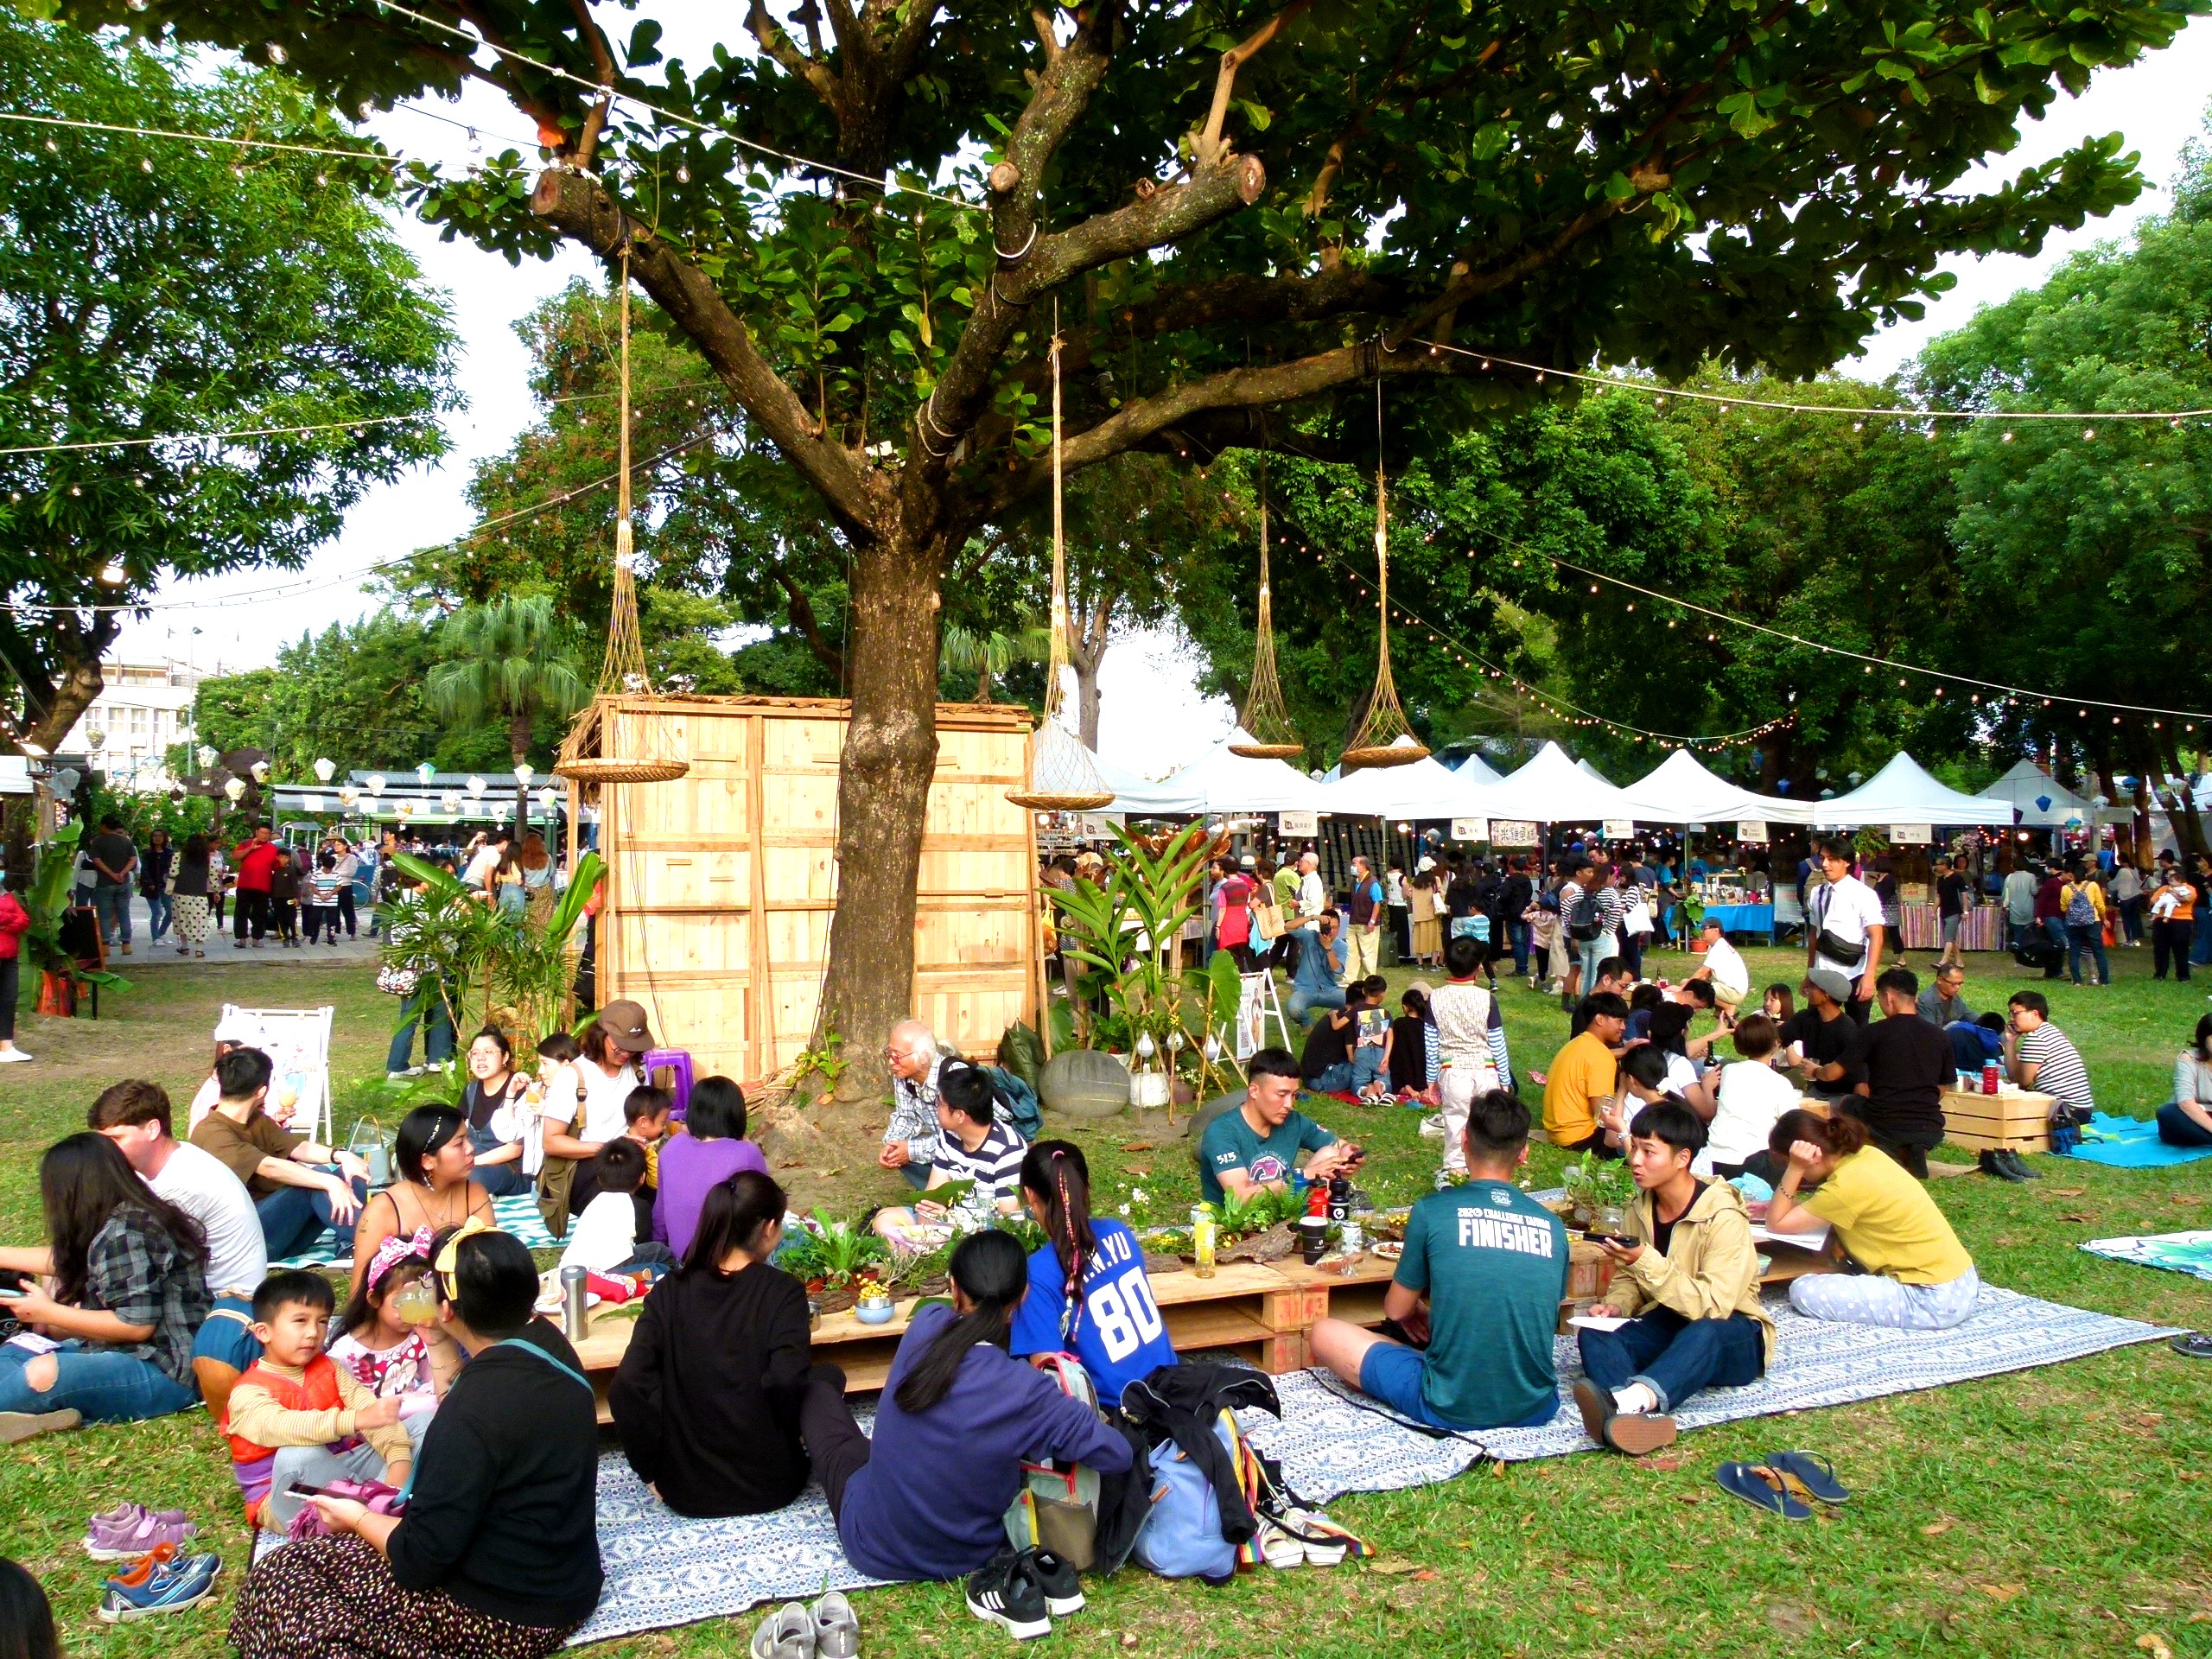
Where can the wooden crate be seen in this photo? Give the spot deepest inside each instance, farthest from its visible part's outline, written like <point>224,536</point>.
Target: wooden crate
<point>721,885</point>
<point>1979,1122</point>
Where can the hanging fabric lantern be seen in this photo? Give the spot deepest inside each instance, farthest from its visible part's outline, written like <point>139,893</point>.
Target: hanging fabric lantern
<point>1385,737</point>
<point>1063,773</point>
<point>606,746</point>
<point>1266,724</point>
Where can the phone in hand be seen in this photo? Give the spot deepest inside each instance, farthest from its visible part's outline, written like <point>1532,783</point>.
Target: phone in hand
<point>1619,1241</point>
<point>301,1488</point>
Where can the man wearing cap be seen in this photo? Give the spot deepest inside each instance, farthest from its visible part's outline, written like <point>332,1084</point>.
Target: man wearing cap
<point>235,1029</point>
<point>1723,967</point>
<point>1831,1044</point>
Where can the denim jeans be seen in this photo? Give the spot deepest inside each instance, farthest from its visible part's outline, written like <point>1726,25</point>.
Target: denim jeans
<point>293,1218</point>
<point>2130,919</point>
<point>111,904</point>
<point>1517,932</point>
<point>1675,1357</point>
<point>438,1034</point>
<point>160,907</point>
<point>1593,952</point>
<point>2177,1129</point>
<point>1336,1080</point>
<point>107,1388</point>
<point>1366,1066</point>
<point>2199,952</point>
<point>1303,1000</point>
<point>2090,939</point>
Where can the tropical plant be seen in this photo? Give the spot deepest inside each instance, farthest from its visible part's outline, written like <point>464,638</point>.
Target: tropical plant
<point>824,1059</point>
<point>533,967</point>
<point>988,656</point>
<point>1128,928</point>
<point>48,901</point>
<point>833,1252</point>
<point>1596,1182</point>
<point>512,660</point>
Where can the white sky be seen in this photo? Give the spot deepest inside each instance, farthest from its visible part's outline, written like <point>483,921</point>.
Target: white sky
<point>1152,718</point>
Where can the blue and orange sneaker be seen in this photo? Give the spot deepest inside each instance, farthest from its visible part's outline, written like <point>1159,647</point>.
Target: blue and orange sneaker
<point>162,1586</point>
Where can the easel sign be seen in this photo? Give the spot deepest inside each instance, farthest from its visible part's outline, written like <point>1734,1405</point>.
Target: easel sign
<point>297,1042</point>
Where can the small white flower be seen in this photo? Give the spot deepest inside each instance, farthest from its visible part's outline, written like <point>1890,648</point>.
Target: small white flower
<point>1125,1209</point>
<point>1136,1196</point>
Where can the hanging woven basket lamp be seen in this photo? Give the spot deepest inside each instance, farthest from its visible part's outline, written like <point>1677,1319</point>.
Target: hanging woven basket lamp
<point>1265,723</point>
<point>608,744</point>
<point>1063,772</point>
<point>1386,736</point>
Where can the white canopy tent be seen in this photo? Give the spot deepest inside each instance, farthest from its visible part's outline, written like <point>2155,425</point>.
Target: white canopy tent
<point>1586,767</point>
<point>1681,790</point>
<point>2028,786</point>
<point>1903,792</point>
<point>1426,789</point>
<point>1218,781</point>
<point>1551,789</point>
<point>1141,796</point>
<point>1480,770</point>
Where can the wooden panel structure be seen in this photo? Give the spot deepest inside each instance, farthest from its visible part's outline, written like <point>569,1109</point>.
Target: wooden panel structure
<point>720,885</point>
<point>2018,1121</point>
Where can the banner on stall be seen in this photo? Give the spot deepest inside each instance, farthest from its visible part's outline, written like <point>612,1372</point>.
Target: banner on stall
<point>1750,829</point>
<point>1513,832</point>
<point>1471,829</point>
<point>1620,829</point>
<point>1298,823</point>
<point>1911,835</point>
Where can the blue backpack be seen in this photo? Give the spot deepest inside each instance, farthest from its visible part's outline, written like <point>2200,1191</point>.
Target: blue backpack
<point>1181,1537</point>
<point>1023,1109</point>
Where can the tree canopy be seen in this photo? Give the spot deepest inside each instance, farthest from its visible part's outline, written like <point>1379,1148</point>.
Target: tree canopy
<point>149,289</point>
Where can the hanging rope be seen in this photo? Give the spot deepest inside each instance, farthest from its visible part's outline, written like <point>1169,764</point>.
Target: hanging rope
<point>1385,737</point>
<point>1266,723</point>
<point>596,752</point>
<point>1063,773</point>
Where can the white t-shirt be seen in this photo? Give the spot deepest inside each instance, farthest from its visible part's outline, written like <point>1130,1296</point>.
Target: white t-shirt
<point>1753,1097</point>
<point>603,1096</point>
<point>1848,909</point>
<point>201,1185</point>
<point>1313,896</point>
<point>486,861</point>
<point>605,1236</point>
<point>1729,972</point>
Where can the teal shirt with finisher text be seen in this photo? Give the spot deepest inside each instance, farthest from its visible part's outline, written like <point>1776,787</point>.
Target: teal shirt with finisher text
<point>1493,1262</point>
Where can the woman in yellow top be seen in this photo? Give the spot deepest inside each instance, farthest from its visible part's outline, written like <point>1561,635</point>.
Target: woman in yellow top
<point>1918,1276</point>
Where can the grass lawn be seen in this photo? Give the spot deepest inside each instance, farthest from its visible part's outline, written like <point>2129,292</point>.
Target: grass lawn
<point>2051,1512</point>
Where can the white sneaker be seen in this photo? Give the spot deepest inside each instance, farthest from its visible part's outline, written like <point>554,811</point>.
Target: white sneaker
<point>13,1057</point>
<point>1278,1549</point>
<point>1431,1127</point>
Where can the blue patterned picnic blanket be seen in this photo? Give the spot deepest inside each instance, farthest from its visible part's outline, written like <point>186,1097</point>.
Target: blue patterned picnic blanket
<point>516,1215</point>
<point>2188,1253</point>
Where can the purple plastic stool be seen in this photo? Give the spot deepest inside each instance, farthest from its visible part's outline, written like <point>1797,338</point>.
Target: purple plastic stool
<point>678,1061</point>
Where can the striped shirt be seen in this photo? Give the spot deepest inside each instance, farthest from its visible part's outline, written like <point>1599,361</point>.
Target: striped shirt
<point>2059,1070</point>
<point>994,1166</point>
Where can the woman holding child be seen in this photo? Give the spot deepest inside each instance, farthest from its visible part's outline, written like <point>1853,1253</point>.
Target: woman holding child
<point>707,1396</point>
<point>497,1556</point>
<point>436,1188</point>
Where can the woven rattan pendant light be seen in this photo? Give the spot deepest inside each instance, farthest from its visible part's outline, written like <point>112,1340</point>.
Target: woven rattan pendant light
<point>1386,738</point>
<point>1265,722</point>
<point>604,746</point>
<point>1063,773</point>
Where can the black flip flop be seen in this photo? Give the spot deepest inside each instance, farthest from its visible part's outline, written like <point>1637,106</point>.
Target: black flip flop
<point>1812,1471</point>
<point>2193,1344</point>
<point>1762,1488</point>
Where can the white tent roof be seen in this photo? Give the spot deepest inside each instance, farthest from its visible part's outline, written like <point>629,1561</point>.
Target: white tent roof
<point>2026,784</point>
<point>1221,782</point>
<point>1551,789</point>
<point>1141,796</point>
<point>1681,790</point>
<point>1903,792</point>
<point>1426,789</point>
<point>1480,770</point>
<point>1585,767</point>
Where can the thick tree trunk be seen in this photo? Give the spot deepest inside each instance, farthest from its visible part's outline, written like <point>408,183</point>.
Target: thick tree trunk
<point>2189,826</point>
<point>78,686</point>
<point>1086,698</point>
<point>883,787</point>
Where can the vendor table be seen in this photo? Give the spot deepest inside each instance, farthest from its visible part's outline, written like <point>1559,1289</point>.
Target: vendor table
<point>1743,918</point>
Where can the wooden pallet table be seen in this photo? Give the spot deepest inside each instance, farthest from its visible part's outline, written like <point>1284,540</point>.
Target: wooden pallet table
<point>2018,1119</point>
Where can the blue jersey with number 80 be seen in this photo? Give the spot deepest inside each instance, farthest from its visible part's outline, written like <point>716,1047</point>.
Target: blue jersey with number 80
<point>1116,1330</point>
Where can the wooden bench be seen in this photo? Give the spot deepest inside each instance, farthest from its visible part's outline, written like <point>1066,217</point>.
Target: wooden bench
<point>2017,1120</point>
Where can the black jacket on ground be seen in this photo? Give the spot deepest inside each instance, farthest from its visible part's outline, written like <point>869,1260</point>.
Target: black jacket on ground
<point>1179,1403</point>
<point>504,1513</point>
<point>708,1396</point>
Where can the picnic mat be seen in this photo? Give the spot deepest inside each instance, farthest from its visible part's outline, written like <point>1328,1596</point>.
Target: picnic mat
<point>517,1214</point>
<point>2188,1253</point>
<point>1818,1362</point>
<point>664,1570</point>
<point>2134,1143</point>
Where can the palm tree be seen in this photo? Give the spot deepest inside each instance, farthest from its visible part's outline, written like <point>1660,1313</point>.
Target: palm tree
<point>509,660</point>
<point>988,656</point>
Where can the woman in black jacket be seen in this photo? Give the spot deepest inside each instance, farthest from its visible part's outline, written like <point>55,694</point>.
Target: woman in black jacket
<point>498,1555</point>
<point>707,1399</point>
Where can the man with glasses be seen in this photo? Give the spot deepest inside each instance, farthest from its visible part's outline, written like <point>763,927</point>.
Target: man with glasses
<point>910,1142</point>
<point>1845,930</point>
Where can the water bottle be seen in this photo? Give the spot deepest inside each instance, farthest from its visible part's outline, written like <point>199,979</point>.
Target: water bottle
<point>576,1310</point>
<point>1989,1077</point>
<point>1202,1241</point>
<point>1339,1199</point>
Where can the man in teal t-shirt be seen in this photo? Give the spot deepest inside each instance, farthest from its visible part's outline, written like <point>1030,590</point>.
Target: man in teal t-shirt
<point>1492,1263</point>
<point>1258,1143</point>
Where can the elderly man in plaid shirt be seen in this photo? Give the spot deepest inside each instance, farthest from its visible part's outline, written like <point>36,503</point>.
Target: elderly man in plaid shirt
<point>910,1142</point>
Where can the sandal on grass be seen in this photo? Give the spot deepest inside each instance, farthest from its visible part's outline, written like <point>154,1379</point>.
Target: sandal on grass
<point>2195,1344</point>
<point>1812,1471</point>
<point>1762,1488</point>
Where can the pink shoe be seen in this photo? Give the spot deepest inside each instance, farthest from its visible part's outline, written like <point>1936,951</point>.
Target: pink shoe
<point>114,1537</point>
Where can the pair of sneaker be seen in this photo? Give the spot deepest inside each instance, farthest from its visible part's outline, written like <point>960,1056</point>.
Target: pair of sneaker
<point>1022,1591</point>
<point>828,1629</point>
<point>1302,1538</point>
<point>132,1531</point>
<point>162,1581</point>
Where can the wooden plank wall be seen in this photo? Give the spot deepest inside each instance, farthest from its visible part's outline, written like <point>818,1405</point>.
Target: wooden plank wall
<point>721,885</point>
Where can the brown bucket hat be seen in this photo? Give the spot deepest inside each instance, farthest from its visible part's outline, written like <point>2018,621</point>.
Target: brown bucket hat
<point>624,1024</point>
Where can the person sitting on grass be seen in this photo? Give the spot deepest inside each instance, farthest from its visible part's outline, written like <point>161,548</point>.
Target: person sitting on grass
<point>395,1357</point>
<point>1492,1263</point>
<point>1582,1075</point>
<point>300,1190</point>
<point>135,1114</point>
<point>1917,1275</point>
<point>1414,1053</point>
<point>435,1163</point>
<point>2041,1057</point>
<point>497,1556</point>
<point>1830,1043</point>
<point>297,1416</point>
<point>1370,1053</point>
<point>976,1146</point>
<point>1325,1066</point>
<point>1751,1098</point>
<point>26,1616</point>
<point>1257,1144</point>
<point>2186,1120</point>
<point>694,1163</point>
<point>129,1287</point>
<point>1321,960</point>
<point>707,1400</point>
<point>1909,1062</point>
<point>1109,1320</point>
<point>1686,1278</point>
<point>604,1238</point>
<point>926,1498</point>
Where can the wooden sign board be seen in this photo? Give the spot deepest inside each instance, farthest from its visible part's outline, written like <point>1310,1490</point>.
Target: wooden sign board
<point>1472,830</point>
<point>1513,832</point>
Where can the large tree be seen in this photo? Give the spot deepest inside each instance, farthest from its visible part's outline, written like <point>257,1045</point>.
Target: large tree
<point>1232,205</point>
<point>150,289</point>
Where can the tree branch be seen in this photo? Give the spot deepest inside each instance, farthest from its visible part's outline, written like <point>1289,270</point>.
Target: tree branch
<point>1207,147</point>
<point>800,609</point>
<point>1493,278</point>
<point>580,208</point>
<point>602,63</point>
<point>781,47</point>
